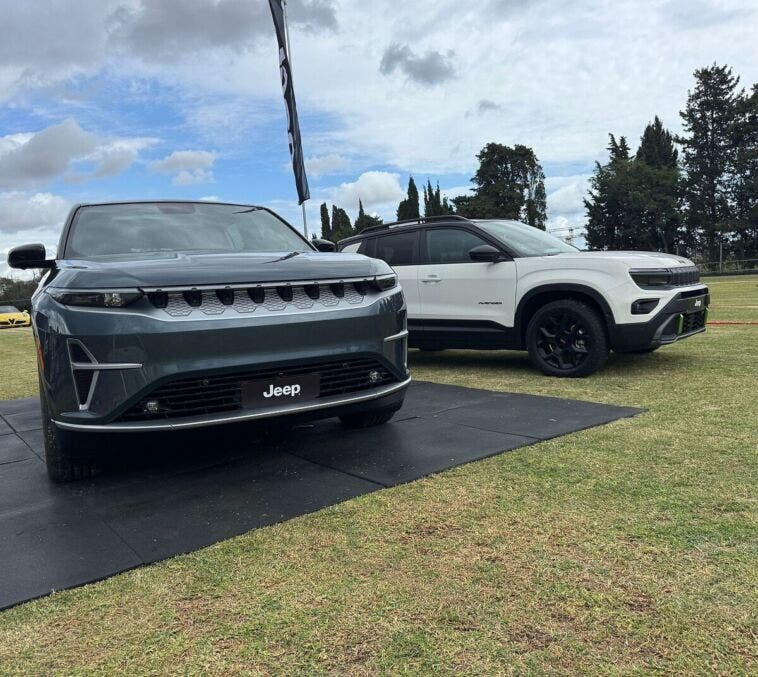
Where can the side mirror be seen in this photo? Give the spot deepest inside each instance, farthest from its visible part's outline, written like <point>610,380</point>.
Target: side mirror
<point>486,253</point>
<point>324,245</point>
<point>29,256</point>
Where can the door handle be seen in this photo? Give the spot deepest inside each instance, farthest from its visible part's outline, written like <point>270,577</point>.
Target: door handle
<point>431,278</point>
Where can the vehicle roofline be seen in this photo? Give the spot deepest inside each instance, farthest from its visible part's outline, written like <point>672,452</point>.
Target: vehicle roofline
<point>162,201</point>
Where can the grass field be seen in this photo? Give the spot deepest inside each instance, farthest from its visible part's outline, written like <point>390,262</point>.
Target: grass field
<point>630,547</point>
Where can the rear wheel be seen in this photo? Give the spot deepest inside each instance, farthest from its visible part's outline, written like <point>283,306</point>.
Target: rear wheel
<point>367,419</point>
<point>66,457</point>
<point>567,338</point>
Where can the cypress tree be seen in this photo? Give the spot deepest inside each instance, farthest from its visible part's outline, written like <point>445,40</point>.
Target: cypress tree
<point>365,220</point>
<point>409,208</point>
<point>341,226</point>
<point>655,182</point>
<point>326,226</point>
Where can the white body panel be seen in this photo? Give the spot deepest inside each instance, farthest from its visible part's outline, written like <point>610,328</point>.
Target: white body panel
<point>474,291</point>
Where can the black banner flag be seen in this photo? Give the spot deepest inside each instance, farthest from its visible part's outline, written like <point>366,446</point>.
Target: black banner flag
<point>293,126</point>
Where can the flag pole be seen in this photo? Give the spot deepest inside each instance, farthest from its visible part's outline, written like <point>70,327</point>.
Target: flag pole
<point>289,58</point>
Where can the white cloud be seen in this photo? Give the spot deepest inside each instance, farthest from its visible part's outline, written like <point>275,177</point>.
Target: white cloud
<point>184,159</point>
<point>189,177</point>
<point>161,31</point>
<point>188,166</point>
<point>21,211</point>
<point>30,159</point>
<point>372,188</point>
<point>325,164</point>
<point>30,217</point>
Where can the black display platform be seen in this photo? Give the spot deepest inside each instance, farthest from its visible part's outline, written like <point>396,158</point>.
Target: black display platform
<point>176,492</point>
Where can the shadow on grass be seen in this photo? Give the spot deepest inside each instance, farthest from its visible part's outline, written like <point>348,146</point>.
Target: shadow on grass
<point>518,362</point>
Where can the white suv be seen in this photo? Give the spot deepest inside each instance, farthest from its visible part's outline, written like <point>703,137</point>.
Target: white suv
<point>499,284</point>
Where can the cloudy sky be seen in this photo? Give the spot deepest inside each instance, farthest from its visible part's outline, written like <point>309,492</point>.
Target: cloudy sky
<point>104,99</point>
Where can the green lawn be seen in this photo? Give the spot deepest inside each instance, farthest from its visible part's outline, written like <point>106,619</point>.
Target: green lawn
<point>630,547</point>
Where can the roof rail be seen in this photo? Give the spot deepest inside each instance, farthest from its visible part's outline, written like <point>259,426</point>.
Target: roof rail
<point>420,219</point>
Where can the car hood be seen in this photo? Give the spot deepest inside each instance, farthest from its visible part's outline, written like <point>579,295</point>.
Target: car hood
<point>631,259</point>
<point>186,270</point>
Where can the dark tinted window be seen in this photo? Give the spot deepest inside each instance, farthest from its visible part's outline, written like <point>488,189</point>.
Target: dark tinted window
<point>139,229</point>
<point>367,247</point>
<point>450,245</point>
<point>398,249</point>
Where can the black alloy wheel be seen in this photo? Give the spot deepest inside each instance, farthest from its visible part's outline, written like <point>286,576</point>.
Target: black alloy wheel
<point>567,338</point>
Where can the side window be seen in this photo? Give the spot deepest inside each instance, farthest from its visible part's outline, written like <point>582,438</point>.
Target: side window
<point>365,247</point>
<point>450,245</point>
<point>398,249</point>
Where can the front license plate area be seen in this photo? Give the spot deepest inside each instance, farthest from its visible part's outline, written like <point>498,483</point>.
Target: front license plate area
<point>697,304</point>
<point>280,391</point>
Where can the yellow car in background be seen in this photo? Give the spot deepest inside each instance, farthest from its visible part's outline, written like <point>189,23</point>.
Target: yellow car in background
<point>10,316</point>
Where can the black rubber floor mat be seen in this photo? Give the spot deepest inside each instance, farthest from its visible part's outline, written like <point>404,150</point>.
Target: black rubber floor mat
<point>173,493</point>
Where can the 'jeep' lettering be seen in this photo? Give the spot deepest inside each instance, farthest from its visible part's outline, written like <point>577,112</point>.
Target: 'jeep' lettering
<point>279,391</point>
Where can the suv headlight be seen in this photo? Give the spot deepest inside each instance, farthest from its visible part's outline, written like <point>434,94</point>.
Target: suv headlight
<point>384,282</point>
<point>652,277</point>
<point>97,299</point>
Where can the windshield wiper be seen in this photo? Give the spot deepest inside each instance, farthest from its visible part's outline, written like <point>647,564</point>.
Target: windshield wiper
<point>284,258</point>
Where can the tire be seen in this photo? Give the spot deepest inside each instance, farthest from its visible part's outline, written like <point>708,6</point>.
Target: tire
<point>66,458</point>
<point>566,338</point>
<point>367,419</point>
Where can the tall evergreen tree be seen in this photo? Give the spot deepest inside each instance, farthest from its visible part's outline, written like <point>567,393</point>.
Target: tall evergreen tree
<point>434,203</point>
<point>508,184</point>
<point>365,220</point>
<point>745,186</point>
<point>606,206</point>
<point>341,226</point>
<point>655,182</point>
<point>657,146</point>
<point>633,201</point>
<point>326,226</point>
<point>710,119</point>
<point>409,208</point>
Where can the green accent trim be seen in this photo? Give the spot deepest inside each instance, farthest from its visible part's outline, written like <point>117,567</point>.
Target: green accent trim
<point>705,317</point>
<point>680,324</point>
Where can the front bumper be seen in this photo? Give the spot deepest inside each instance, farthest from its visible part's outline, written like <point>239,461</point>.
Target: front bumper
<point>684,316</point>
<point>136,350</point>
<point>387,397</point>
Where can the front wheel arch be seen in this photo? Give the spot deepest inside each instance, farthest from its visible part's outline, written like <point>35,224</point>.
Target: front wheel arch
<point>538,297</point>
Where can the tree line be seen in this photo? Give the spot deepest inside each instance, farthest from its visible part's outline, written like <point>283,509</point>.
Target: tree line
<point>702,202</point>
<point>509,184</point>
<point>694,194</point>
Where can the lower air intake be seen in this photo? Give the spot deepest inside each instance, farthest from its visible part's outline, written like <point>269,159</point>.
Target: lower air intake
<point>202,396</point>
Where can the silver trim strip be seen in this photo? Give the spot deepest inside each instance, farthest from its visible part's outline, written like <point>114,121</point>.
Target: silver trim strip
<point>198,423</point>
<point>90,366</point>
<point>105,366</point>
<point>281,283</point>
<point>397,336</point>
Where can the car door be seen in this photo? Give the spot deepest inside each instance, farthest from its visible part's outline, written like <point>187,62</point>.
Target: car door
<point>456,290</point>
<point>401,251</point>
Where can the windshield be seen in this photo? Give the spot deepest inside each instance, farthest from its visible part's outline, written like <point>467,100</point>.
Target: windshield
<point>156,228</point>
<point>8,309</point>
<point>525,240</point>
